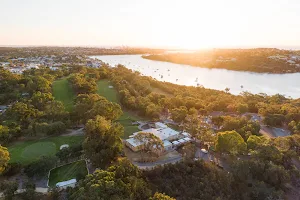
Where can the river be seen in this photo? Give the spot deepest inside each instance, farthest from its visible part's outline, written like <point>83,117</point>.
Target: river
<point>219,79</point>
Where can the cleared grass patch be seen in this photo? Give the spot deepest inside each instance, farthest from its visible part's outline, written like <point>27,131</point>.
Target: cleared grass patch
<point>160,91</point>
<point>127,117</point>
<point>62,91</point>
<point>29,151</point>
<point>109,93</point>
<point>67,172</point>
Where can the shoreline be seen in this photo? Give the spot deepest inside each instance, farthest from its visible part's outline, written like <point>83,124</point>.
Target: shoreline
<point>236,70</point>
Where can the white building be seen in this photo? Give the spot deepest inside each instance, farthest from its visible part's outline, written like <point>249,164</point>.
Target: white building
<point>32,66</point>
<point>164,133</point>
<point>17,70</point>
<point>295,57</point>
<point>65,184</point>
<point>160,125</point>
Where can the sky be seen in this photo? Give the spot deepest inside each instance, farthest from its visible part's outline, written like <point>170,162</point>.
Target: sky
<point>189,24</point>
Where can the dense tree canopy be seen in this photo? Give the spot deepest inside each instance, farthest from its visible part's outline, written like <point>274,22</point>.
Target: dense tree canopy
<point>120,181</point>
<point>4,158</point>
<point>230,141</point>
<point>90,105</point>
<point>102,142</point>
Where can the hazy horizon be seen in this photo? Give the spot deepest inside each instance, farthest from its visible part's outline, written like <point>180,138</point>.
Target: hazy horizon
<point>188,24</point>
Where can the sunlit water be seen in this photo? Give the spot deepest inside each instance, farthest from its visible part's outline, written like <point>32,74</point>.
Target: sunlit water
<point>286,84</point>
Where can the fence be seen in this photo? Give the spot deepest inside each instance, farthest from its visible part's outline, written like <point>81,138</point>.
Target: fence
<point>67,163</point>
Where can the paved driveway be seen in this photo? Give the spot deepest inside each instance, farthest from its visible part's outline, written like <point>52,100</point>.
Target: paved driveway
<point>151,165</point>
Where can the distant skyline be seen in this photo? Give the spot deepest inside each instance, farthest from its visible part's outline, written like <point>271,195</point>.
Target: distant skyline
<point>189,24</point>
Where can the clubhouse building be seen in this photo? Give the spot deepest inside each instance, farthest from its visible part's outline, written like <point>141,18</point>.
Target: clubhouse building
<point>170,138</point>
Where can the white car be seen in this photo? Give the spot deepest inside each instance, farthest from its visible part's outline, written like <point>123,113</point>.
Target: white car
<point>204,150</point>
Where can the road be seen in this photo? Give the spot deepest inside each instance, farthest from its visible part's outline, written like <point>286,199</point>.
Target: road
<point>38,189</point>
<point>211,157</point>
<point>154,164</point>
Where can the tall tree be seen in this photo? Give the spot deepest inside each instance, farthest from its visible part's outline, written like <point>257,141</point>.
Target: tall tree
<point>102,143</point>
<point>150,142</point>
<point>8,188</point>
<point>160,196</point>
<point>4,158</point>
<point>120,181</point>
<point>230,141</point>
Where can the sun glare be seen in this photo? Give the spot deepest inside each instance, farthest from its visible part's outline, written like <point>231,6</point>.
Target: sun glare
<point>195,26</point>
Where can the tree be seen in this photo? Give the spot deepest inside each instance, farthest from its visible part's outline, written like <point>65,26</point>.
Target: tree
<point>4,158</point>
<point>193,125</point>
<point>90,105</point>
<point>254,142</point>
<point>39,83</point>
<point>160,196</point>
<point>242,125</point>
<point>4,135</point>
<point>23,112</point>
<point>41,166</point>
<point>120,181</point>
<point>217,120</point>
<point>179,114</point>
<point>39,100</point>
<point>54,128</point>
<point>29,193</point>
<point>274,120</point>
<point>242,108</point>
<point>107,109</point>
<point>150,142</point>
<point>191,180</point>
<point>269,153</point>
<point>207,137</point>
<point>153,111</point>
<point>102,143</point>
<point>8,188</point>
<point>230,141</point>
<point>55,110</point>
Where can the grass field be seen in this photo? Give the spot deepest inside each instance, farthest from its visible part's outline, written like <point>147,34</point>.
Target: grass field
<point>109,93</point>
<point>67,172</point>
<point>127,117</point>
<point>63,92</point>
<point>29,151</point>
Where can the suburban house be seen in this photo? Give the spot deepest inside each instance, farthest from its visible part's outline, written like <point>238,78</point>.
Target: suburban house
<point>168,136</point>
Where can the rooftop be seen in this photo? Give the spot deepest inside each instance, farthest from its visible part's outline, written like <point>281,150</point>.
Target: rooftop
<point>65,183</point>
<point>161,133</point>
<point>134,142</point>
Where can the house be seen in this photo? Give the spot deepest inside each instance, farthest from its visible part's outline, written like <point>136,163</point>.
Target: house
<point>53,68</point>
<point>65,184</point>
<point>17,70</point>
<point>32,66</point>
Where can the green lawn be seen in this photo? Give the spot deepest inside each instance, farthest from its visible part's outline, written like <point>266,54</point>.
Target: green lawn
<point>63,92</point>
<point>109,93</point>
<point>127,117</point>
<point>29,151</point>
<point>67,172</point>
